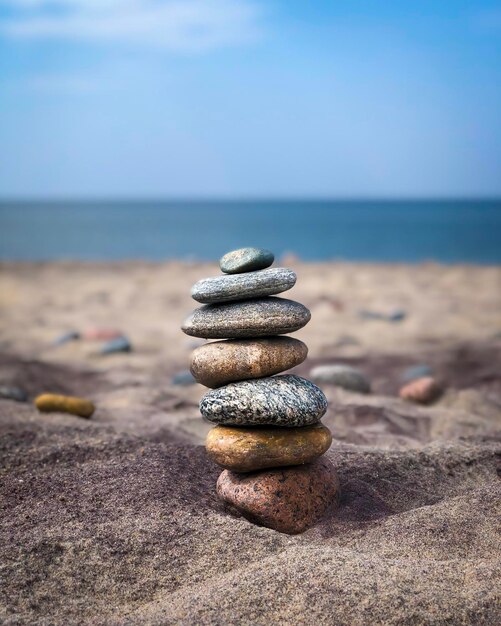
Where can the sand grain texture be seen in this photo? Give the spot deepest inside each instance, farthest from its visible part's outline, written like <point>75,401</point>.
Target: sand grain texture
<point>115,520</point>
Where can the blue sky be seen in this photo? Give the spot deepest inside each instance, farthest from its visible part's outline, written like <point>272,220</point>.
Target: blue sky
<point>162,98</point>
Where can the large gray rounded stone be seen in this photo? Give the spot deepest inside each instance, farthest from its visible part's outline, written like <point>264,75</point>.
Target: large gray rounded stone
<point>242,286</point>
<point>252,318</point>
<point>246,260</point>
<point>278,401</point>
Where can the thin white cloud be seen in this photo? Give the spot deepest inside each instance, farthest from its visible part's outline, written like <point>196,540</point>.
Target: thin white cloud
<point>179,25</point>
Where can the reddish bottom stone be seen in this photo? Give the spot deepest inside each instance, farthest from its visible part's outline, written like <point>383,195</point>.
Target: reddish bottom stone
<point>289,500</point>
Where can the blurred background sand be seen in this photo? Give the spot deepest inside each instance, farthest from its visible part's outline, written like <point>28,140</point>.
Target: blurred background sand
<point>448,312</point>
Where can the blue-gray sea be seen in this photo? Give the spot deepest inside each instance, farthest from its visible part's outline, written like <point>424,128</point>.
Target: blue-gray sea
<point>447,231</point>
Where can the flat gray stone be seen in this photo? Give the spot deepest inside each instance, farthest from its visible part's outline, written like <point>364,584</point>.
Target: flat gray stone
<point>288,401</point>
<point>246,260</point>
<point>251,318</point>
<point>344,376</point>
<point>242,286</point>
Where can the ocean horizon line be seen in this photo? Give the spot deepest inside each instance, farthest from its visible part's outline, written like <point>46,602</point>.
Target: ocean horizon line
<point>453,230</point>
<point>108,199</point>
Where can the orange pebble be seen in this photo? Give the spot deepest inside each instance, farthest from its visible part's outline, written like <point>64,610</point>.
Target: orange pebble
<point>422,390</point>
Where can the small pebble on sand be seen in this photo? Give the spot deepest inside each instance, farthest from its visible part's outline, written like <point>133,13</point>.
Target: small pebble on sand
<point>55,403</point>
<point>183,379</point>
<point>13,393</point>
<point>340,375</point>
<point>422,390</point>
<point>72,335</point>
<point>397,315</point>
<point>101,334</point>
<point>120,344</point>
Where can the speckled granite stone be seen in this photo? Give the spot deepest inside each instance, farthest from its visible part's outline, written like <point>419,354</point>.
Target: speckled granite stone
<point>242,286</point>
<point>278,401</point>
<point>251,449</point>
<point>344,376</point>
<point>289,500</point>
<point>222,362</point>
<point>246,260</point>
<point>251,318</point>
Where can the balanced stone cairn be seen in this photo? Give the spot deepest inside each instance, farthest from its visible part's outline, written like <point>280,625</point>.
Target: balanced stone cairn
<point>268,437</point>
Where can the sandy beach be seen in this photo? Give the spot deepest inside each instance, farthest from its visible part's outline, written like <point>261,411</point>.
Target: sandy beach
<point>115,519</point>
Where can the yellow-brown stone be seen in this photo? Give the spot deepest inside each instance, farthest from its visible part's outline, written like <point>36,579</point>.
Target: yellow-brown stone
<point>221,362</point>
<point>250,449</point>
<point>54,403</point>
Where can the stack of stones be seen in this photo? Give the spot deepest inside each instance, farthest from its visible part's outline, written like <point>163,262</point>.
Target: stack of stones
<point>268,437</point>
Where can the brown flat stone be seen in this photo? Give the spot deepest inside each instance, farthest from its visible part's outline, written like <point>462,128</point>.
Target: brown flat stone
<point>250,449</point>
<point>221,362</point>
<point>289,500</point>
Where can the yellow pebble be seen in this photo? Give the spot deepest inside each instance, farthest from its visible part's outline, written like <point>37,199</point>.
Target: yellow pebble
<point>51,403</point>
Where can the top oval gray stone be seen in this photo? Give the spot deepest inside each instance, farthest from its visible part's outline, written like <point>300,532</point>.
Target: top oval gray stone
<point>249,285</point>
<point>260,317</point>
<point>246,260</point>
